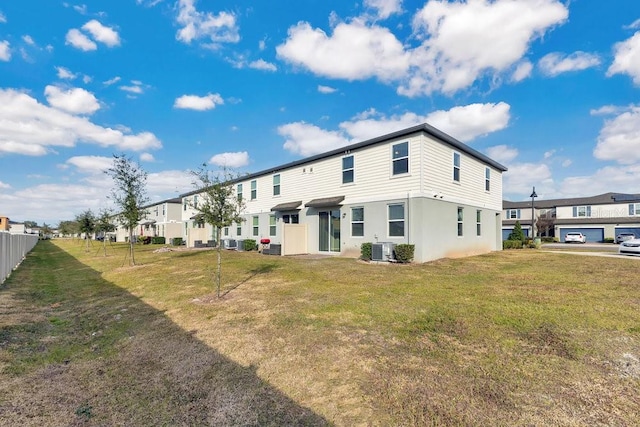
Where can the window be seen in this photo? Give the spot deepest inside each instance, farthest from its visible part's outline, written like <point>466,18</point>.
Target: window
<point>164,211</point>
<point>256,228</point>
<point>276,185</point>
<point>291,219</point>
<point>347,170</point>
<point>357,222</point>
<point>238,229</point>
<point>239,192</point>
<point>226,231</point>
<point>581,211</point>
<point>456,167</point>
<point>634,209</point>
<point>396,220</point>
<point>272,225</point>
<point>400,158</point>
<point>460,218</point>
<point>184,204</point>
<point>513,213</point>
<point>155,211</point>
<point>487,179</point>
<point>478,223</point>
<point>254,189</point>
<point>195,201</point>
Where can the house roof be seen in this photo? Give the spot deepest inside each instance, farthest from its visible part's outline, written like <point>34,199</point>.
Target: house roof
<point>423,128</point>
<point>601,199</point>
<point>176,200</point>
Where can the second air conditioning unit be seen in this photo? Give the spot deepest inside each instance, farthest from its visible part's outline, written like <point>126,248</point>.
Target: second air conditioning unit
<point>382,251</point>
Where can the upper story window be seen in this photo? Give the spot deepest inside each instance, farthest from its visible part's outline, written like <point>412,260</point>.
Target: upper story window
<point>634,209</point>
<point>513,213</point>
<point>456,167</point>
<point>254,189</point>
<point>164,210</point>
<point>239,191</point>
<point>155,211</point>
<point>195,201</point>
<point>347,169</point>
<point>400,158</point>
<point>487,179</point>
<point>276,185</point>
<point>184,204</point>
<point>581,211</point>
<point>357,222</point>
<point>396,220</point>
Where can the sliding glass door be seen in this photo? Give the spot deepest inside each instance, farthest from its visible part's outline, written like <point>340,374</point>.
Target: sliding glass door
<point>329,231</point>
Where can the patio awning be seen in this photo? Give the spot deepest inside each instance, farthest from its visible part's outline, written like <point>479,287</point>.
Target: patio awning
<point>152,222</point>
<point>291,206</point>
<point>197,217</point>
<point>325,202</point>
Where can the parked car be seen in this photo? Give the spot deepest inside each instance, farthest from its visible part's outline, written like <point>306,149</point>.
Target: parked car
<point>576,237</point>
<point>631,246</point>
<point>624,236</point>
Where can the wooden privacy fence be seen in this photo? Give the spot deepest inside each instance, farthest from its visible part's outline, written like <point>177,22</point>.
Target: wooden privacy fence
<point>13,249</point>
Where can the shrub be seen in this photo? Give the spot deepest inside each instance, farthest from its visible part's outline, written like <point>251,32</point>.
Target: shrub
<point>517,233</point>
<point>512,244</point>
<point>250,245</point>
<point>365,251</point>
<point>176,241</point>
<point>609,240</point>
<point>404,252</point>
<point>548,239</point>
<point>158,240</point>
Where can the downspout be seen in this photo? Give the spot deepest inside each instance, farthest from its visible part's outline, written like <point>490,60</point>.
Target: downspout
<point>408,221</point>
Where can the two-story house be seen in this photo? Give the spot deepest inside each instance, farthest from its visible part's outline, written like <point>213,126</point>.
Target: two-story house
<point>417,186</point>
<point>162,218</point>
<point>597,217</point>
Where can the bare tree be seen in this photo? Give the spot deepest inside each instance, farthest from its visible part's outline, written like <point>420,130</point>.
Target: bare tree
<point>104,225</point>
<point>129,194</point>
<point>219,206</point>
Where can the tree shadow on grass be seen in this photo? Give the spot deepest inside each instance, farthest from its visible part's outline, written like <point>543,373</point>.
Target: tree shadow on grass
<point>261,269</point>
<point>76,349</point>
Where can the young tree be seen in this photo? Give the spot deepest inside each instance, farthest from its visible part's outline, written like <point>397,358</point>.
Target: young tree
<point>68,228</point>
<point>129,194</point>
<point>87,225</point>
<point>219,206</point>
<point>104,225</point>
<point>45,231</point>
<point>517,233</point>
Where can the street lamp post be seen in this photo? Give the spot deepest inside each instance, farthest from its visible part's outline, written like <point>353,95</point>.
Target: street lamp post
<point>533,217</point>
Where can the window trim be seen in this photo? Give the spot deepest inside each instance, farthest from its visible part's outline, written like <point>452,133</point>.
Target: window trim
<point>357,222</point>
<point>276,185</point>
<point>239,191</point>
<point>517,212</point>
<point>348,169</point>
<point>634,209</point>
<point>395,159</point>
<point>457,167</point>
<point>487,179</point>
<point>255,224</point>
<point>389,220</point>
<point>577,210</point>
<point>254,189</point>
<point>273,225</point>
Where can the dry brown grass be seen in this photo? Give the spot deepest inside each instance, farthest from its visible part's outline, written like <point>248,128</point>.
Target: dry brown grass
<point>511,338</point>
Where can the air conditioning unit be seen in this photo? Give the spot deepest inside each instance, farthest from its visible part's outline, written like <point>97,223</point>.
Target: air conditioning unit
<point>382,251</point>
<point>229,244</point>
<point>240,245</point>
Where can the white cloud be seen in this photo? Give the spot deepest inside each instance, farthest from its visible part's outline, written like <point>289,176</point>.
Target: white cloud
<point>198,103</point>
<point>306,140</point>
<point>101,33</point>
<point>3,19</point>
<point>5,51</point>
<point>28,40</point>
<point>464,123</point>
<point>231,160</point>
<point>135,89</point>
<point>112,81</point>
<point>566,163</point>
<point>78,40</point>
<point>549,154</point>
<point>502,153</point>
<point>262,45</point>
<point>607,110</point>
<point>633,26</point>
<point>385,8</point>
<point>261,64</point>
<point>4,186</point>
<point>75,100</point>
<point>556,63</point>
<point>619,139</point>
<point>147,157</point>
<point>522,71</point>
<point>65,73</point>
<point>464,41</point>
<point>353,52</point>
<point>91,164</point>
<point>627,59</point>
<point>326,89</point>
<point>522,177</point>
<point>217,28</point>
<point>31,128</point>
<point>623,179</point>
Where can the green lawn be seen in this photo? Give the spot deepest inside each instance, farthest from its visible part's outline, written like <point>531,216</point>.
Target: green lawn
<point>510,338</point>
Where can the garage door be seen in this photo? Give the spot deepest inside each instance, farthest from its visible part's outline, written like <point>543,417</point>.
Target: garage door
<point>507,231</point>
<point>593,234</point>
<point>634,230</point>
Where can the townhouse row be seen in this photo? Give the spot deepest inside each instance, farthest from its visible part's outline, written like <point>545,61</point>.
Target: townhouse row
<point>417,186</point>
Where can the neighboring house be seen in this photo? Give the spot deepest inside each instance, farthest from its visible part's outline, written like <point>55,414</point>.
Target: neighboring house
<point>162,219</point>
<point>17,227</point>
<point>417,186</point>
<point>4,223</point>
<point>597,217</point>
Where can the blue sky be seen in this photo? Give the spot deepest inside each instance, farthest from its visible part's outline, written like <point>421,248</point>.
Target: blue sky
<point>548,88</point>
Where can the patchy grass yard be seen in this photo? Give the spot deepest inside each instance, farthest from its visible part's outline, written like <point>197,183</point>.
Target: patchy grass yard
<point>509,338</point>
